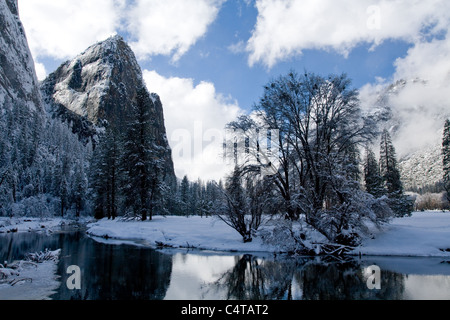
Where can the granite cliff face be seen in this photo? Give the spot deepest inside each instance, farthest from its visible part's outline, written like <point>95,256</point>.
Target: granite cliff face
<point>98,88</point>
<point>46,128</point>
<point>18,81</point>
<point>98,84</point>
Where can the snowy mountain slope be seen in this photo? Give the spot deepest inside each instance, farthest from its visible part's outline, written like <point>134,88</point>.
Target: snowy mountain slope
<point>422,168</point>
<point>38,153</point>
<point>99,87</point>
<point>18,81</point>
<point>415,126</point>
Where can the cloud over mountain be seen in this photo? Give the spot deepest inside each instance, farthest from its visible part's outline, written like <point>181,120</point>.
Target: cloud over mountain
<point>285,28</point>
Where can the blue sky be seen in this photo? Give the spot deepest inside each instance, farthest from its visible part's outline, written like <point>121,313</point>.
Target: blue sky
<point>209,59</point>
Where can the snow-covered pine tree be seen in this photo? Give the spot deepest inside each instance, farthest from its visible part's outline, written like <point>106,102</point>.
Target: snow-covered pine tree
<point>141,159</point>
<point>195,198</point>
<point>399,203</point>
<point>104,177</point>
<point>184,195</point>
<point>372,178</point>
<point>446,157</point>
<point>388,165</point>
<point>212,197</point>
<point>79,189</point>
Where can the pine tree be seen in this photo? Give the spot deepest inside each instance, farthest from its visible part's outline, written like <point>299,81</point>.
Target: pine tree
<point>105,175</point>
<point>79,189</point>
<point>184,196</point>
<point>388,165</point>
<point>195,197</point>
<point>446,157</point>
<point>372,178</point>
<point>63,194</point>
<point>141,159</point>
<point>399,203</point>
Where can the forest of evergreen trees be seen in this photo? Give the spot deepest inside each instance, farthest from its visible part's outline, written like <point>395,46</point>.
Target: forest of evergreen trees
<point>43,165</point>
<point>446,157</point>
<point>383,179</point>
<point>326,173</point>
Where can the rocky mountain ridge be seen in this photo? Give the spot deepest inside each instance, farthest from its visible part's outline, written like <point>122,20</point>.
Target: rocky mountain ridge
<point>98,88</point>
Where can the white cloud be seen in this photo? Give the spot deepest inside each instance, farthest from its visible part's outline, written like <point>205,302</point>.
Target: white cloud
<point>195,117</point>
<point>427,60</point>
<point>64,28</point>
<point>41,72</point>
<point>285,28</point>
<point>423,102</point>
<point>169,27</point>
<point>423,105</point>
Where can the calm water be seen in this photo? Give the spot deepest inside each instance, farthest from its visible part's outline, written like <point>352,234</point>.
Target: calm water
<point>135,271</point>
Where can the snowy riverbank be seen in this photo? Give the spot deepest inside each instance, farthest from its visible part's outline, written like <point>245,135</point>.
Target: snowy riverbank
<point>179,232</point>
<point>31,279</point>
<point>423,234</point>
<point>12,225</point>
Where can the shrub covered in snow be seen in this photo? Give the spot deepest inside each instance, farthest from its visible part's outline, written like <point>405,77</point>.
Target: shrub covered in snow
<point>431,201</point>
<point>22,270</point>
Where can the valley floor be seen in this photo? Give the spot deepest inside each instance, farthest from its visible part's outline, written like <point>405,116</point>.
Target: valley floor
<point>423,234</point>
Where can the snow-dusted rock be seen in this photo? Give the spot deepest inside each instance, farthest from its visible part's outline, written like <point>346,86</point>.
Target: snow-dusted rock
<point>99,87</point>
<point>18,81</point>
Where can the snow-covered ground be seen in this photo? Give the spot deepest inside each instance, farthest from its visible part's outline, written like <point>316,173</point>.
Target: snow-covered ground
<point>8,225</point>
<point>180,232</point>
<point>30,280</point>
<point>423,234</point>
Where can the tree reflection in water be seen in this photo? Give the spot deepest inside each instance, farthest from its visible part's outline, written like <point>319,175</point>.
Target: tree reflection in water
<point>125,272</point>
<point>114,272</point>
<point>304,278</point>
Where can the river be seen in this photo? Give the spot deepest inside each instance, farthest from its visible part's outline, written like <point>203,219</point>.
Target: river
<point>112,270</point>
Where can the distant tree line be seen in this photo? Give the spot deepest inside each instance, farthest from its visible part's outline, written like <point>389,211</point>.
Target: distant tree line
<point>437,196</point>
<point>446,158</point>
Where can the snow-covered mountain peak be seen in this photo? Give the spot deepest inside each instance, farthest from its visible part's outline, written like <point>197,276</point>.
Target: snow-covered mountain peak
<point>97,83</point>
<point>100,87</point>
